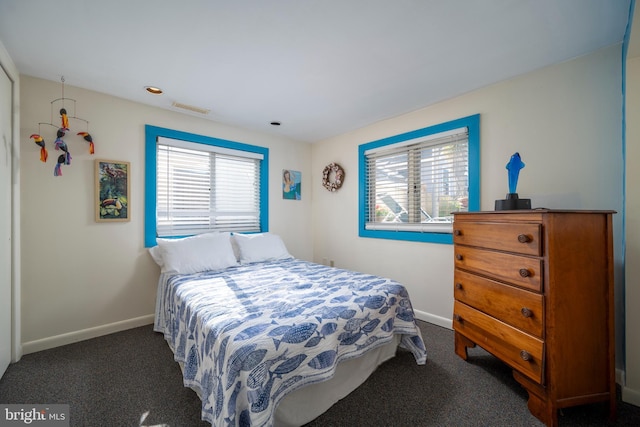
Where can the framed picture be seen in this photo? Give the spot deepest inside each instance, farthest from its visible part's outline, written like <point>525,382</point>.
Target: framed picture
<point>291,184</point>
<point>113,190</point>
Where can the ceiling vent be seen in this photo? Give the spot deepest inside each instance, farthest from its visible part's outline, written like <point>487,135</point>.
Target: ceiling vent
<point>191,108</point>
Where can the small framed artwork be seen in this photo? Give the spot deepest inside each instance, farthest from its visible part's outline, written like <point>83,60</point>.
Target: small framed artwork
<point>291,184</point>
<point>113,191</point>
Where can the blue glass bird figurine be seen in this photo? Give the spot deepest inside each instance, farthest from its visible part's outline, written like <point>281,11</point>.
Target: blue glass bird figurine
<point>514,166</point>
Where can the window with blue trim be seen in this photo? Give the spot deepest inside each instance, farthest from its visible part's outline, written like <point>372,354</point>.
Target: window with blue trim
<point>411,183</point>
<point>197,184</point>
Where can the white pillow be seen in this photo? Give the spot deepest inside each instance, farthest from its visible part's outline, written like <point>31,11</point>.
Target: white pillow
<point>211,251</point>
<point>236,248</point>
<point>260,247</point>
<point>156,254</point>
<point>157,251</point>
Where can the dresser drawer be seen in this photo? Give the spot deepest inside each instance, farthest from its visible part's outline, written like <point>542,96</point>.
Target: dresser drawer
<point>521,351</point>
<point>514,269</point>
<point>522,238</point>
<point>517,307</point>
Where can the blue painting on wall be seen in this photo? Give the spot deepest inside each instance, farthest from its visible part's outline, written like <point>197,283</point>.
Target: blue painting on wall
<point>291,184</point>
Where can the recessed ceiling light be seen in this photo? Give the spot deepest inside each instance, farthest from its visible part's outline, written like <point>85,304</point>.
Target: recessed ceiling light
<point>154,90</point>
<point>275,123</point>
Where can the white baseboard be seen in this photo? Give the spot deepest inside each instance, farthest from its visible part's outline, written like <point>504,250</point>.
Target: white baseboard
<point>620,377</point>
<point>630,396</point>
<point>85,334</point>
<point>436,320</point>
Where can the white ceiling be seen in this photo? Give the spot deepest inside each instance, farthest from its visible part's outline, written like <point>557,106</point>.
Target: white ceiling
<point>321,67</point>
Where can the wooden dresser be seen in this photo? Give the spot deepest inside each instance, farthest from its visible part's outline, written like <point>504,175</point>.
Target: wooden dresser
<point>535,289</point>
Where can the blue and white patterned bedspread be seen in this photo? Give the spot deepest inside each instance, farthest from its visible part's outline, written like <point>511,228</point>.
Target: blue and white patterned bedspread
<point>250,334</point>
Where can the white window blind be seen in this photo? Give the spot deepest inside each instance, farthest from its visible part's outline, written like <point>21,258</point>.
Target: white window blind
<point>415,185</point>
<point>203,188</point>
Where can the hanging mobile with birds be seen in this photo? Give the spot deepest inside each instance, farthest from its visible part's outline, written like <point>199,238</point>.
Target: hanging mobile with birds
<point>61,131</point>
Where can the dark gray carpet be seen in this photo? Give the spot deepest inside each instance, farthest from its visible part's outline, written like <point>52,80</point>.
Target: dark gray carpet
<point>113,380</point>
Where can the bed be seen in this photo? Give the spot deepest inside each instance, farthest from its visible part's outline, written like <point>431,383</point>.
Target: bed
<point>267,339</point>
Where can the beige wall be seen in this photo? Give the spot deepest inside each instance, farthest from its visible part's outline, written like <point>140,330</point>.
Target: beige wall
<point>631,390</point>
<point>565,120</point>
<point>81,278</point>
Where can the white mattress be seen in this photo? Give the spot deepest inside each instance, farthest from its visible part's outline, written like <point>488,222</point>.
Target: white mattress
<point>308,403</point>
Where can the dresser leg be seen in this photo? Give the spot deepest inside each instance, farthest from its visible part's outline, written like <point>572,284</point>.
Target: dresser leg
<point>539,406</point>
<point>542,410</point>
<point>461,344</point>
<point>612,404</point>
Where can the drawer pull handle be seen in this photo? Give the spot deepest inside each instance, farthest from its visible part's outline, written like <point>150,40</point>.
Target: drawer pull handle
<point>524,272</point>
<point>525,355</point>
<point>459,286</point>
<point>459,257</point>
<point>457,318</point>
<point>457,232</point>
<point>523,238</point>
<point>526,312</point>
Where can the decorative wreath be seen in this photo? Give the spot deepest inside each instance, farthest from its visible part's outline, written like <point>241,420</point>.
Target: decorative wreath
<point>338,176</point>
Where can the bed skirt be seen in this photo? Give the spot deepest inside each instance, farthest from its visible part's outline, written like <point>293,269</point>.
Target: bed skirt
<point>308,403</point>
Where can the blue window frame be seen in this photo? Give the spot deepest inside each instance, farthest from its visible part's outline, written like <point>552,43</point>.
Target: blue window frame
<point>153,134</point>
<point>410,183</point>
